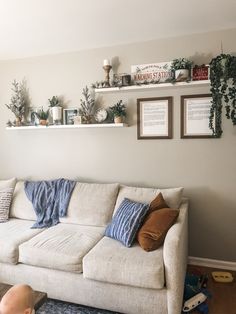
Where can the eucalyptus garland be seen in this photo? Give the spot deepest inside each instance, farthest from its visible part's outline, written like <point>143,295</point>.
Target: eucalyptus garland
<point>223,89</point>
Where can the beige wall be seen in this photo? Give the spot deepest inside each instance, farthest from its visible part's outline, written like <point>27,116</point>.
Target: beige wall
<point>206,168</point>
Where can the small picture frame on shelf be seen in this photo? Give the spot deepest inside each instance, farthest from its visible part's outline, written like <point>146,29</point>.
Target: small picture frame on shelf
<point>195,112</point>
<point>154,118</point>
<point>68,115</point>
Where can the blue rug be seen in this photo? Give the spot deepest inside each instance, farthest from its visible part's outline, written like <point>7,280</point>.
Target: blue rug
<point>58,307</point>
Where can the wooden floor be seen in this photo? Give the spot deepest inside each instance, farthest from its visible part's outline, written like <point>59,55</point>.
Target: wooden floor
<point>223,299</point>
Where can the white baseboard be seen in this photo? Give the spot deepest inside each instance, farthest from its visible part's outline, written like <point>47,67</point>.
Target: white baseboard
<point>213,263</point>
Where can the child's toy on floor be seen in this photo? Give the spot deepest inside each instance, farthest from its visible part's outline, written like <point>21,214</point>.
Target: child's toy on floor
<point>195,293</point>
<point>203,281</point>
<point>222,276</point>
<point>194,302</point>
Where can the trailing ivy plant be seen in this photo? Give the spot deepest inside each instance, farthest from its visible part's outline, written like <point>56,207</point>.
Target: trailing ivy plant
<point>223,89</point>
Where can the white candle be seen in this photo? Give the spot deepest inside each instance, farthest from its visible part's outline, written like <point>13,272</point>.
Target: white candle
<point>106,62</point>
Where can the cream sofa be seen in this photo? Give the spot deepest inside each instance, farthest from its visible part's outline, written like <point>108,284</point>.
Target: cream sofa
<point>74,262</point>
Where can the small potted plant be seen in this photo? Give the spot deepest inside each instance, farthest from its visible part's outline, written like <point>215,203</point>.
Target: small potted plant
<point>18,102</point>
<point>86,106</point>
<point>42,115</point>
<point>118,112</point>
<point>55,109</point>
<point>181,68</point>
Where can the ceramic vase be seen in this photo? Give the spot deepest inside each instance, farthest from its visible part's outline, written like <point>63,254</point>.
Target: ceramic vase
<point>56,113</point>
<point>181,75</point>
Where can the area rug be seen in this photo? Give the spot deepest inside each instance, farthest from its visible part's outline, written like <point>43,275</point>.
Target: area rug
<point>58,307</point>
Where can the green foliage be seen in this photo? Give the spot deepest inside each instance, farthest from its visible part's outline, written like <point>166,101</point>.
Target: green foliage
<point>180,64</point>
<point>118,110</point>
<point>41,114</point>
<point>223,89</point>
<point>87,105</point>
<point>54,102</point>
<point>18,100</point>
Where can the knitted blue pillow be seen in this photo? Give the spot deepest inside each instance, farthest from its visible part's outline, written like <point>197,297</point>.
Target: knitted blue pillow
<point>126,221</point>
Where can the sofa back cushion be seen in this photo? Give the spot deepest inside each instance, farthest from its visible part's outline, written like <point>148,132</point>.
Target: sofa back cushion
<point>172,196</point>
<point>91,204</point>
<point>5,184</point>
<point>21,207</point>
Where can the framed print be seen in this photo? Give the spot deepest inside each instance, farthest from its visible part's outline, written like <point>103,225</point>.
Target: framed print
<point>68,115</point>
<point>195,111</point>
<point>154,118</point>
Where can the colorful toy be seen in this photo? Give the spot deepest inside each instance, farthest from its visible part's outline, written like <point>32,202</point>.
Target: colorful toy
<point>222,276</point>
<point>195,286</point>
<point>194,302</point>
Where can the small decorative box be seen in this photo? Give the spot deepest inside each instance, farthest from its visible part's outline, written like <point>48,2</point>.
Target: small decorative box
<point>200,72</point>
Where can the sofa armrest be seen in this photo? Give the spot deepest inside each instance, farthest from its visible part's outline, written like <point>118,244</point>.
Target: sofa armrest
<point>175,254</point>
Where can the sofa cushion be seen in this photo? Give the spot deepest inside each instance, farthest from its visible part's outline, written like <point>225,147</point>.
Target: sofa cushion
<point>146,195</point>
<point>110,261</point>
<point>21,207</point>
<point>126,221</point>
<point>12,234</point>
<point>91,204</point>
<point>60,247</point>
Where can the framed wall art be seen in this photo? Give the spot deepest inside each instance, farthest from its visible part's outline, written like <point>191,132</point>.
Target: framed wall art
<point>154,118</point>
<point>195,112</point>
<point>68,115</point>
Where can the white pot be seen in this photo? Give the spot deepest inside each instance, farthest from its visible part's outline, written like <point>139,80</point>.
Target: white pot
<point>56,113</point>
<point>181,75</point>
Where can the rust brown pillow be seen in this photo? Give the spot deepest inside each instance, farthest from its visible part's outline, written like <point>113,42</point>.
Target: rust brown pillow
<point>157,203</point>
<point>157,223</point>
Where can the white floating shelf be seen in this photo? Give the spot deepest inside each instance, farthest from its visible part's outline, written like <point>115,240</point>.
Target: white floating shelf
<point>73,126</point>
<point>152,86</point>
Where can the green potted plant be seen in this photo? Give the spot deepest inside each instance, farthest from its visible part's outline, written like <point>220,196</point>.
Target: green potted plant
<point>87,106</point>
<point>42,115</point>
<point>118,112</point>
<point>55,109</point>
<point>18,102</point>
<point>223,89</point>
<point>181,67</point>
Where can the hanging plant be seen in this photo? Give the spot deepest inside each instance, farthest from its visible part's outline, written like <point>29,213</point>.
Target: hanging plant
<point>223,89</point>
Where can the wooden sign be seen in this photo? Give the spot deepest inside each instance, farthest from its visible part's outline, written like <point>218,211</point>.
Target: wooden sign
<point>200,73</point>
<point>152,73</point>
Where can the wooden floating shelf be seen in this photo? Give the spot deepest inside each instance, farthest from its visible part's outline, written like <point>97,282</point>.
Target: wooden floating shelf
<point>152,86</point>
<point>73,126</point>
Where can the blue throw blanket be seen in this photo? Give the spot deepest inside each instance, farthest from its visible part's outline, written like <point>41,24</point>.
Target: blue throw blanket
<point>50,200</point>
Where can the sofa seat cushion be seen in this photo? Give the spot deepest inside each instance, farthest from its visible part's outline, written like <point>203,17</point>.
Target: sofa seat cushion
<point>12,234</point>
<point>60,247</point>
<point>110,261</point>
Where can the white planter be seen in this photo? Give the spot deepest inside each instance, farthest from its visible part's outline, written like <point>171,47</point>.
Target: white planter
<point>181,75</point>
<point>56,113</point>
